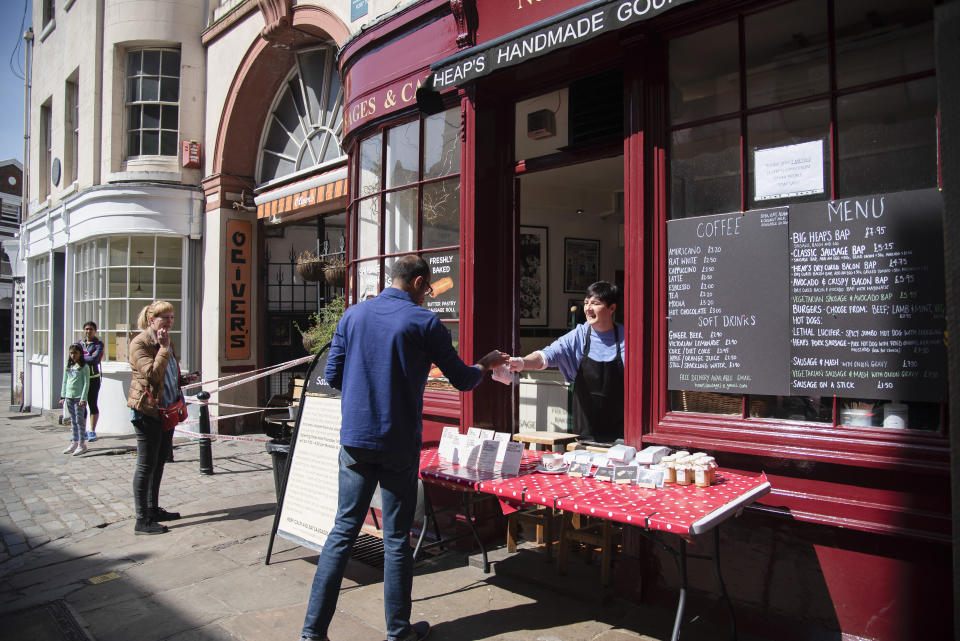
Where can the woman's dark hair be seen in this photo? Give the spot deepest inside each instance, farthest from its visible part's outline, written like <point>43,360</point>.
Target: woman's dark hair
<point>90,324</point>
<point>408,268</point>
<point>604,291</point>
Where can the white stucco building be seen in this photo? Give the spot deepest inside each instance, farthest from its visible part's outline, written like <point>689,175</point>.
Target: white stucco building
<point>114,219</point>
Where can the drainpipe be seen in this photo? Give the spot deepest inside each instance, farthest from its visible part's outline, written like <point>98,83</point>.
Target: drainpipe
<point>24,206</point>
<point>98,97</point>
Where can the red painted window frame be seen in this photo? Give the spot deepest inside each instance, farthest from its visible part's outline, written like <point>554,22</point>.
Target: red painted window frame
<point>444,404</point>
<point>915,451</point>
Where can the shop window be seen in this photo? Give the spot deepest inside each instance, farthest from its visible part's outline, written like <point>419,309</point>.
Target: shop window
<point>862,91</point>
<point>305,126</point>
<point>809,122</point>
<point>152,102</point>
<point>786,52</point>
<point>703,86</point>
<point>40,279</point>
<point>411,206</point>
<point>116,276</point>
<point>887,138</point>
<point>705,169</point>
<point>875,42</point>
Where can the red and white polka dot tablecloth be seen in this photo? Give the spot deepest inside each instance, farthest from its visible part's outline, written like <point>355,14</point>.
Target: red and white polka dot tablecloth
<point>682,509</point>
<point>460,478</point>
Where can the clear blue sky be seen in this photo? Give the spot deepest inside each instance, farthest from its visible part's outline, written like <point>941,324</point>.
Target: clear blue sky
<point>11,86</point>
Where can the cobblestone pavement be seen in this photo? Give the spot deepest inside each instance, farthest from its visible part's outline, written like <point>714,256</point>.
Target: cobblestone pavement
<point>46,495</point>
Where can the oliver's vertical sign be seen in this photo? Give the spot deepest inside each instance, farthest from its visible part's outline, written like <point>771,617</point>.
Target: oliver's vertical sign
<point>239,270</point>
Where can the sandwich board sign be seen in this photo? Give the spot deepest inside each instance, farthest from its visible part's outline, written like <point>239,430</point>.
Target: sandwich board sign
<point>307,506</point>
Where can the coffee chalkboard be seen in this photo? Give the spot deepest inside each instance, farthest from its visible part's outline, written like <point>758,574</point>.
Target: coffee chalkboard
<point>867,297</point>
<point>727,303</point>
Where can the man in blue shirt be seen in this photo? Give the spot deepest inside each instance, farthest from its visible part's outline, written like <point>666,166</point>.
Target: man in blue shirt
<point>590,356</point>
<point>379,358</point>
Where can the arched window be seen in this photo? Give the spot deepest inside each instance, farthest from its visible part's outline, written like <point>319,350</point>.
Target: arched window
<point>306,123</point>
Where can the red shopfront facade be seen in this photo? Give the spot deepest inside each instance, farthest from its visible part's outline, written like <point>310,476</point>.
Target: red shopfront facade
<point>674,109</point>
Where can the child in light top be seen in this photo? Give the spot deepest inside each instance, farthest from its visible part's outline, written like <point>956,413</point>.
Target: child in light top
<point>73,394</point>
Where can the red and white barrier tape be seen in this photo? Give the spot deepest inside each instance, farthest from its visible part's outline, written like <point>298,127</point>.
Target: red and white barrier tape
<point>266,371</point>
<point>193,401</point>
<point>225,437</point>
<point>272,370</point>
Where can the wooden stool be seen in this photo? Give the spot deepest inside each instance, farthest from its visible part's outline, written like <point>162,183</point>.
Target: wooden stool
<point>554,439</point>
<point>596,533</point>
<point>542,517</point>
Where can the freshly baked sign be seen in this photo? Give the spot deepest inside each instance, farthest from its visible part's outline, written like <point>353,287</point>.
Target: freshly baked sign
<point>445,283</point>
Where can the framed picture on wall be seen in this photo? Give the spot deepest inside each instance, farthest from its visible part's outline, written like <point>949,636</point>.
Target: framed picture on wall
<point>533,275</point>
<point>578,317</point>
<point>581,264</point>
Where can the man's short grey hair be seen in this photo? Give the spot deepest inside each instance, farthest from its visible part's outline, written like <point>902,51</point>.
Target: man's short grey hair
<point>407,269</point>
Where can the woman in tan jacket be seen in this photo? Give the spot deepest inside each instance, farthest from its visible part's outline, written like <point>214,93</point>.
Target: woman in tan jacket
<point>156,383</point>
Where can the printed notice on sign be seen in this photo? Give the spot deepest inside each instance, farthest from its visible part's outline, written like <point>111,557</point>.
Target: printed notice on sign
<point>789,171</point>
<point>310,499</point>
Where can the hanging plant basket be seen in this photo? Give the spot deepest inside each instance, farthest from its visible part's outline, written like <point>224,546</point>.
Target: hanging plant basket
<point>308,341</point>
<point>336,274</point>
<point>310,267</point>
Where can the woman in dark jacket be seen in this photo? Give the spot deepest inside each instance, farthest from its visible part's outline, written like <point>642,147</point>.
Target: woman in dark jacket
<point>156,383</point>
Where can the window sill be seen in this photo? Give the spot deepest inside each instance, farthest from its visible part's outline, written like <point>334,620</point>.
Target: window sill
<point>443,403</point>
<point>151,172</point>
<point>72,188</point>
<point>48,29</point>
<point>114,367</point>
<point>908,450</point>
<point>36,359</point>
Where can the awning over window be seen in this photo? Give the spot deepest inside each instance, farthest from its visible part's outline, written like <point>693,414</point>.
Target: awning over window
<point>318,193</point>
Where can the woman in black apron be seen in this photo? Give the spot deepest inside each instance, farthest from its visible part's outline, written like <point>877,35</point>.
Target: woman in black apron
<point>598,396</point>
<point>597,384</point>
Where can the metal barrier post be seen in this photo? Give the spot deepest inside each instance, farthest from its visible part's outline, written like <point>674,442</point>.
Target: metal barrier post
<point>206,455</point>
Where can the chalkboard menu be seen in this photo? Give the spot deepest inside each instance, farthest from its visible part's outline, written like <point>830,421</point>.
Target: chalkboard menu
<point>727,303</point>
<point>867,297</point>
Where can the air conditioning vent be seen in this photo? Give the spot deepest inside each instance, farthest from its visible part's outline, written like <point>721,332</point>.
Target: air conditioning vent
<point>596,109</point>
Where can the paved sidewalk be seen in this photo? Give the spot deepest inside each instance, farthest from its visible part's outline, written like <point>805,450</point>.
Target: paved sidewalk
<point>72,568</point>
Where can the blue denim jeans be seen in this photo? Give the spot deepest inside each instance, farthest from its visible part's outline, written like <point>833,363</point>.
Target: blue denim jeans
<point>360,471</point>
<point>78,419</point>
<point>153,445</point>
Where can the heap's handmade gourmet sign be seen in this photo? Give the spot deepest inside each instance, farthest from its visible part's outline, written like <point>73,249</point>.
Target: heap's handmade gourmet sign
<point>308,506</point>
<point>239,295</point>
<point>867,297</point>
<point>727,302</point>
<point>566,29</point>
<point>865,315</point>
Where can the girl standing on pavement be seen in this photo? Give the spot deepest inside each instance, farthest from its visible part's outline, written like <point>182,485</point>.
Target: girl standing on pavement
<point>73,394</point>
<point>156,383</point>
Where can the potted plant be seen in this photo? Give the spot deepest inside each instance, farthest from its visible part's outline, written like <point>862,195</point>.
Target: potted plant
<point>322,325</point>
<point>310,266</point>
<point>335,272</point>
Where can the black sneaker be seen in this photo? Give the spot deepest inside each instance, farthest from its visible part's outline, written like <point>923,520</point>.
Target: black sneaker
<point>418,631</point>
<point>146,526</point>
<point>160,514</point>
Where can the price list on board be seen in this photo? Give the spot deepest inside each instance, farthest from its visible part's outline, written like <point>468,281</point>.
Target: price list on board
<point>727,303</point>
<point>867,297</point>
